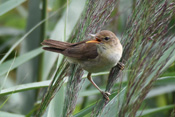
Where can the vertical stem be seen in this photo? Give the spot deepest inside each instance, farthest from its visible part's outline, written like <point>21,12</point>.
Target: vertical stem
<point>65,21</point>
<point>44,15</point>
<point>31,68</point>
<point>42,37</point>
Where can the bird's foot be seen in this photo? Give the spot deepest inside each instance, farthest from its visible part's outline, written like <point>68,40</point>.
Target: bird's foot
<point>121,66</point>
<point>106,95</point>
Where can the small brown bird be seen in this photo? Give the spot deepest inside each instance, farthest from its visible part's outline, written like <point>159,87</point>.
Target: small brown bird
<point>97,55</point>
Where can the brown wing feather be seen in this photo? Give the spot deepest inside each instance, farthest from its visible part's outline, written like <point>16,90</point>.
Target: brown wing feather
<point>87,51</point>
<point>53,49</point>
<point>80,50</point>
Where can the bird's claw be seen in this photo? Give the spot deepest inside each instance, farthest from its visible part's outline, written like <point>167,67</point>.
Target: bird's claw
<point>121,66</point>
<point>105,95</point>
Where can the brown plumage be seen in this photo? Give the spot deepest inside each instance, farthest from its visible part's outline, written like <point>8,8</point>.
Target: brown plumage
<point>72,49</point>
<point>94,55</point>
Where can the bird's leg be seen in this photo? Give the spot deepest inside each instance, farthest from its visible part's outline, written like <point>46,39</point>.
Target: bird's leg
<point>121,65</point>
<point>105,94</point>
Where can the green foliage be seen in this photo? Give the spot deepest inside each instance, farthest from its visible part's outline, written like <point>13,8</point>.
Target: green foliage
<point>4,68</point>
<point>149,55</point>
<point>9,5</point>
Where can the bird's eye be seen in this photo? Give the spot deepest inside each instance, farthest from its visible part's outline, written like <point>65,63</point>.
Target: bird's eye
<point>106,38</point>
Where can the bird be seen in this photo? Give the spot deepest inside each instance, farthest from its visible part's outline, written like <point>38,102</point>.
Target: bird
<point>99,53</point>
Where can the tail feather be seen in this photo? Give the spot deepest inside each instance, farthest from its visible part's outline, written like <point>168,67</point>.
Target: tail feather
<point>56,44</point>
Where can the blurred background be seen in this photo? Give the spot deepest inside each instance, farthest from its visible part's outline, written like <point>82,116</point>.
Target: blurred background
<point>21,56</point>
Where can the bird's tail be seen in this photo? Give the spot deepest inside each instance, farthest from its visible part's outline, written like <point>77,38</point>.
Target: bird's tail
<point>55,46</point>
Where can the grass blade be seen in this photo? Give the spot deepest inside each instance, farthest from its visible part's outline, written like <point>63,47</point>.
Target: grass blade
<point>25,87</point>
<point>19,60</point>
<point>9,5</point>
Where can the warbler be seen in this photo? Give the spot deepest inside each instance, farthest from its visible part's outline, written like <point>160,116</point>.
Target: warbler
<point>98,54</point>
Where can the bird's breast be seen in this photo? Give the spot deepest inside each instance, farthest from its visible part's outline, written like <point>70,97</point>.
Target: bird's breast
<point>106,59</point>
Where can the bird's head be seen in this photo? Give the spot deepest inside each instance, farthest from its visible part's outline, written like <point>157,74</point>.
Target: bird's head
<point>104,37</point>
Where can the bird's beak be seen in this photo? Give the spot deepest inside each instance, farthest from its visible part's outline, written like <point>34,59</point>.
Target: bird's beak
<point>93,41</point>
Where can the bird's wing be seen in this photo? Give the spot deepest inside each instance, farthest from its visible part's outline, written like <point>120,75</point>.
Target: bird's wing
<point>82,51</point>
